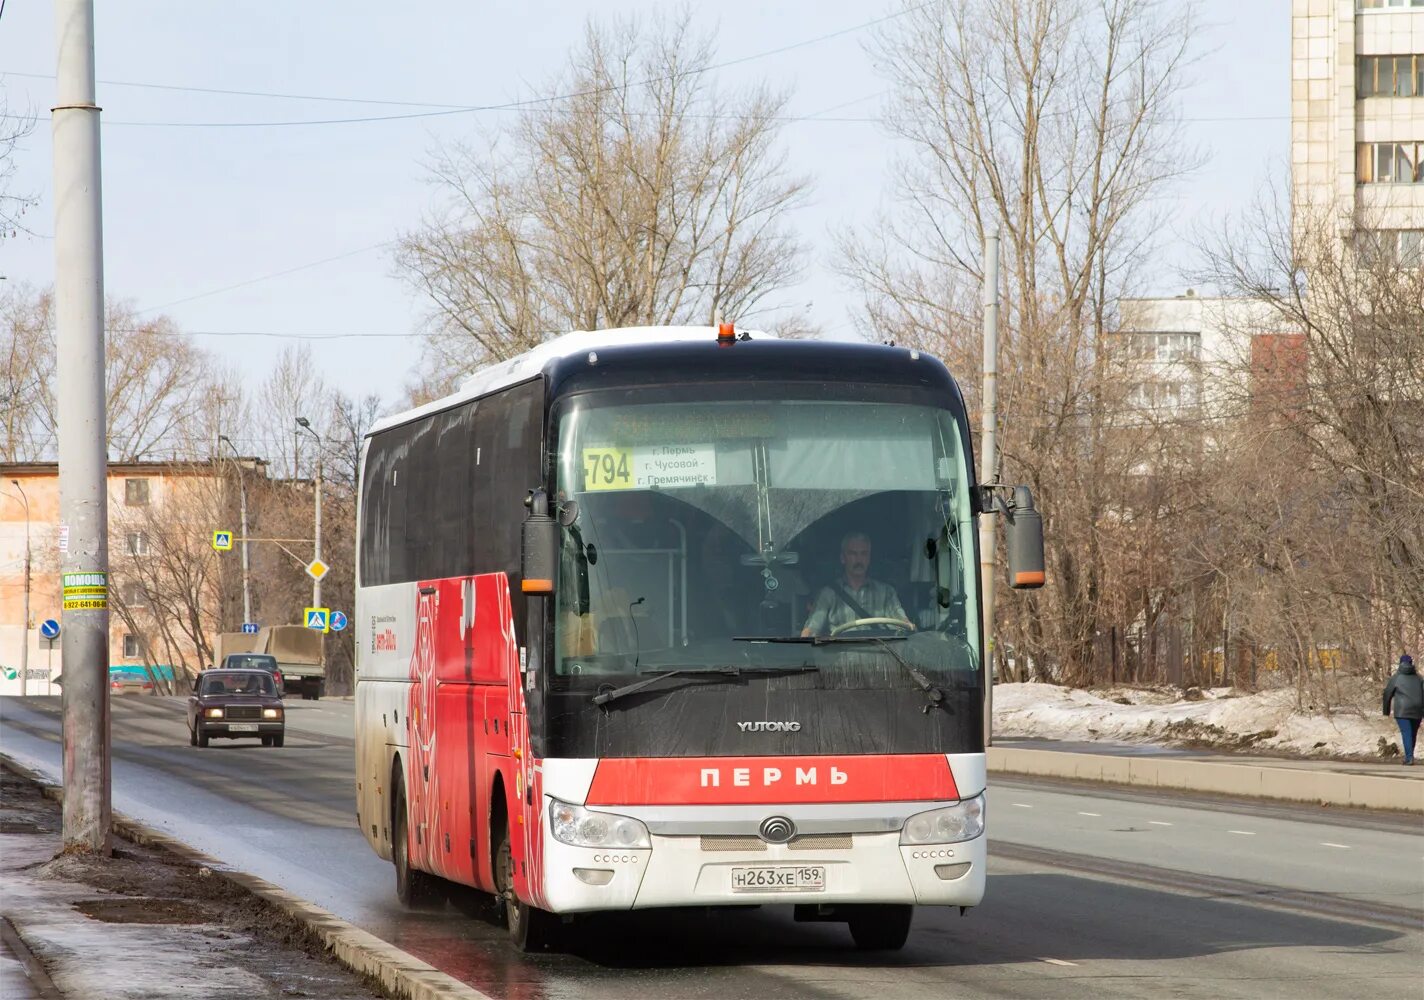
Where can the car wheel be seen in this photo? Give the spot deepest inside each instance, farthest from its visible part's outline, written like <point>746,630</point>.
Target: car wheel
<point>266,741</point>
<point>202,737</point>
<point>530,928</point>
<point>881,927</point>
<point>414,888</point>
<point>279,739</point>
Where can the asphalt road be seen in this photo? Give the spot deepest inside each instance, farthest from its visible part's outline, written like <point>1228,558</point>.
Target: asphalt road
<point>1092,892</point>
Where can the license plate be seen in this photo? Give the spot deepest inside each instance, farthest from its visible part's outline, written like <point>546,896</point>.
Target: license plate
<point>242,727</point>
<point>780,878</point>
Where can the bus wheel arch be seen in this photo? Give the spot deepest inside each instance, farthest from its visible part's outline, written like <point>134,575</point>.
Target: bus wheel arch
<point>530,928</point>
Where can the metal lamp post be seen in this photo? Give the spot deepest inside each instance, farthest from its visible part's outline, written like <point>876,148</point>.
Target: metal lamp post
<point>25,620</point>
<point>305,424</point>
<point>242,487</point>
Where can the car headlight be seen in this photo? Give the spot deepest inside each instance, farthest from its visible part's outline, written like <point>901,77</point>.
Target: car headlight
<point>214,713</point>
<point>949,825</point>
<point>271,713</point>
<point>580,827</point>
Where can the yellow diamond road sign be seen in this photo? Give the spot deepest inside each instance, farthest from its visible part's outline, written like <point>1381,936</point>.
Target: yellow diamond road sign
<point>316,569</point>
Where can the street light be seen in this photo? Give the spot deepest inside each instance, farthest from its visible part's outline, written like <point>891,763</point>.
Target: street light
<point>242,487</point>
<point>25,622</point>
<point>305,425</point>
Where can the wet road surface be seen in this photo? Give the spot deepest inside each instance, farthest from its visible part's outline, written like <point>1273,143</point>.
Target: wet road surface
<point>1092,892</point>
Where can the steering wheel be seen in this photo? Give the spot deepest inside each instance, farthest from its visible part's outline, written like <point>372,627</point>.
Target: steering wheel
<point>899,623</point>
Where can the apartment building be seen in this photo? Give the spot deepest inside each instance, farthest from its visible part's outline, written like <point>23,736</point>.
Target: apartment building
<point>1357,122</point>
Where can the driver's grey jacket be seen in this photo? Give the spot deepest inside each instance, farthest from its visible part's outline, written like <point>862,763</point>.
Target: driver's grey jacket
<point>831,609</point>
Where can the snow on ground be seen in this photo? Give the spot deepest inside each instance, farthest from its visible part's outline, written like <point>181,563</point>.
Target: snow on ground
<point>1266,721</point>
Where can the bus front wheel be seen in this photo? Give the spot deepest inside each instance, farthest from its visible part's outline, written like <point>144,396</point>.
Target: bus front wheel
<point>880,927</point>
<point>530,928</point>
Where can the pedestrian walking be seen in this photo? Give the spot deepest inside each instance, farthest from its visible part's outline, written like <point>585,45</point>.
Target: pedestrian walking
<point>1406,690</point>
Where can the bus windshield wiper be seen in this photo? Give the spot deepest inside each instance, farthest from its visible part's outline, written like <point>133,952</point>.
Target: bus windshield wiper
<point>935,695</point>
<point>604,697</point>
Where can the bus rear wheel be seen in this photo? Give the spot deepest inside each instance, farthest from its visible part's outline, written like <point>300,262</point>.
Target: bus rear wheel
<point>530,928</point>
<point>884,927</point>
<point>414,888</point>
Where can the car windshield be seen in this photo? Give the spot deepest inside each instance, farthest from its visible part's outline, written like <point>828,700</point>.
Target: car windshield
<point>247,682</point>
<point>765,532</point>
<point>251,661</point>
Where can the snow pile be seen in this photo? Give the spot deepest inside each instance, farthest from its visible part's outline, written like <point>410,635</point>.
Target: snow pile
<point>1267,721</point>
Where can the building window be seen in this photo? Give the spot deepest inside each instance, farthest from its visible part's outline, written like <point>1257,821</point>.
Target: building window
<point>1389,163</point>
<point>136,492</point>
<point>138,543</point>
<point>1390,76</point>
<point>1162,348</point>
<point>1402,247</point>
<point>130,646</point>
<point>1386,4</point>
<point>134,595</point>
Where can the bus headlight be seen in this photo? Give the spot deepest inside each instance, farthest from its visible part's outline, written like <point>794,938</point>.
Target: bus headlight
<point>579,827</point>
<point>950,825</point>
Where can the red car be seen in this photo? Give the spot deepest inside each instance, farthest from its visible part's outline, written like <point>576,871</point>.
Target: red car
<point>236,704</point>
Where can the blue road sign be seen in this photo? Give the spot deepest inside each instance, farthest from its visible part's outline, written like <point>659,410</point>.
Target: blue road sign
<point>317,618</point>
<point>249,628</point>
<point>338,621</point>
<point>49,629</point>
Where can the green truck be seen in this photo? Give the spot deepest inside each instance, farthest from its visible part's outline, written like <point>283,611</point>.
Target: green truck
<point>298,651</point>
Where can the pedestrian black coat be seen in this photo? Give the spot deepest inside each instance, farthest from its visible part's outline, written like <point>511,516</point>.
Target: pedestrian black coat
<point>1406,690</point>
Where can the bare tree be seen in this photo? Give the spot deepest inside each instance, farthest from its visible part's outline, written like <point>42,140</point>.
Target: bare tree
<point>159,384</point>
<point>636,193</point>
<point>14,128</point>
<point>295,388</point>
<point>1052,122</point>
<point>1343,552</point>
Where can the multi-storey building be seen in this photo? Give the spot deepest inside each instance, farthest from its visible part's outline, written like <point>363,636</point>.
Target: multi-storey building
<point>1357,121</point>
<point>162,568</point>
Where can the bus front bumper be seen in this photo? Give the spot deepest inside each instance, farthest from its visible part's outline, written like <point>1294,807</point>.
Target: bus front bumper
<point>710,871</point>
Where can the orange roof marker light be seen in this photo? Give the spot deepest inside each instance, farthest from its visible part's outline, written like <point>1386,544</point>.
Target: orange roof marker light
<point>726,335</point>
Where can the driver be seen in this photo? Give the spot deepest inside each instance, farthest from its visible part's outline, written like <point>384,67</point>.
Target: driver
<point>855,595</point>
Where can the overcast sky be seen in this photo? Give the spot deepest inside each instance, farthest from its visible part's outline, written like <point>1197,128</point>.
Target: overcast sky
<point>190,212</point>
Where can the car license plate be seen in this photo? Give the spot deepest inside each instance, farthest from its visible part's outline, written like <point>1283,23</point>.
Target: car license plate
<point>780,878</point>
<point>242,727</point>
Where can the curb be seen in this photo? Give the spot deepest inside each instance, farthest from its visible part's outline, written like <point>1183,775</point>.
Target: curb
<point>399,972</point>
<point>1329,788</point>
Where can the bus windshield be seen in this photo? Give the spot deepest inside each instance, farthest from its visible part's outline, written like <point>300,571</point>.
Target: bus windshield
<point>829,537</point>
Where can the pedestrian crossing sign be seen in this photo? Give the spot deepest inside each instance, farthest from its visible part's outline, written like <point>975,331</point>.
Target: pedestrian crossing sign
<point>318,619</point>
<point>222,541</point>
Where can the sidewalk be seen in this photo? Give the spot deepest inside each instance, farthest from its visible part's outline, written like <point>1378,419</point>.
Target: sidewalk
<point>140,925</point>
<point>1383,769</point>
<point>1334,783</point>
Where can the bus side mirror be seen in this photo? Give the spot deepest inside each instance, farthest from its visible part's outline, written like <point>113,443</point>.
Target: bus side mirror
<point>1023,533</point>
<point>540,546</point>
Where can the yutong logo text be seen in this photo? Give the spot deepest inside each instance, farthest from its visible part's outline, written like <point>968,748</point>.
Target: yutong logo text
<point>769,727</point>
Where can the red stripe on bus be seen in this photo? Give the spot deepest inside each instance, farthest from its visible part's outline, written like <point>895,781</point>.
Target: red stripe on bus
<point>676,781</point>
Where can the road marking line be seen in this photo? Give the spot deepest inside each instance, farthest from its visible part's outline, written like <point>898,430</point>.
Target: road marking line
<point>1343,847</point>
<point>1158,822</point>
<point>1085,814</point>
<point>1058,961</point>
<point>1023,805</point>
<point>1244,833</point>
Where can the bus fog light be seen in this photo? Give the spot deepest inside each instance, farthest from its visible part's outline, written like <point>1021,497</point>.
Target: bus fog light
<point>949,825</point>
<point>948,872</point>
<point>580,827</point>
<point>594,876</point>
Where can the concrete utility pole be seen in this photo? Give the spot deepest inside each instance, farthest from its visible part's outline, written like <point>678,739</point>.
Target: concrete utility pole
<point>242,487</point>
<point>25,621</point>
<point>83,434</point>
<point>989,464</point>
